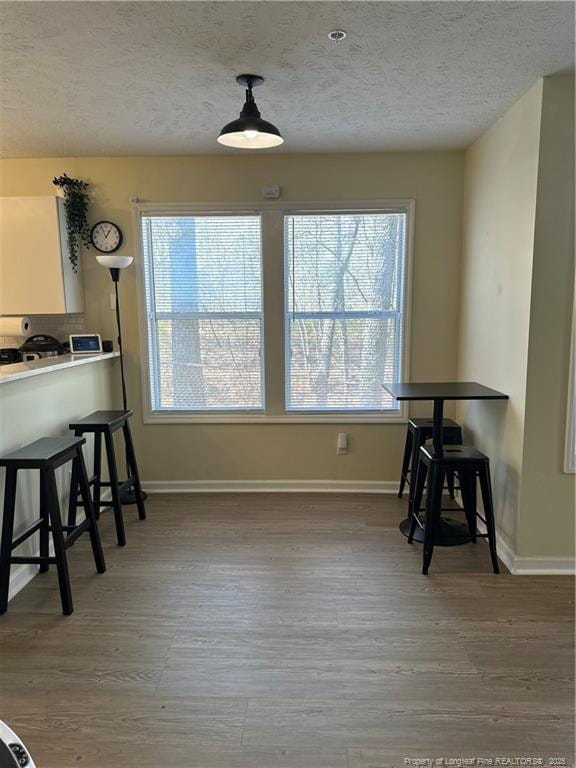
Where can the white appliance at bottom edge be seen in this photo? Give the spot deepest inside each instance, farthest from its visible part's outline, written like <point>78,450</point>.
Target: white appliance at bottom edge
<point>13,753</point>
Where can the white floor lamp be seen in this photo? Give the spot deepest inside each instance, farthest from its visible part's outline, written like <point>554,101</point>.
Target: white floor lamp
<point>115,264</point>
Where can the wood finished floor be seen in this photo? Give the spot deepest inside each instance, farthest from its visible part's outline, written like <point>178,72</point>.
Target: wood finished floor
<point>286,631</point>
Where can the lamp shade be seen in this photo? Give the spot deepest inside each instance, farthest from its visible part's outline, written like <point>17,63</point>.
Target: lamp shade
<point>250,131</point>
<point>114,262</point>
<point>250,134</point>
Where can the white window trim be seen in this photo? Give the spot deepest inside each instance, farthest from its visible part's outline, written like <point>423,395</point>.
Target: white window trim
<point>258,417</point>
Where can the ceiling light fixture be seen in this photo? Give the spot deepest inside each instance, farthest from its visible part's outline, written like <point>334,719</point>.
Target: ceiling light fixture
<point>250,131</point>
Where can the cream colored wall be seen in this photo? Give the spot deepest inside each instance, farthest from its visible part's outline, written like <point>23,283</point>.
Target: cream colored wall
<point>498,240</point>
<point>43,406</point>
<point>548,510</point>
<point>516,309</point>
<point>274,452</point>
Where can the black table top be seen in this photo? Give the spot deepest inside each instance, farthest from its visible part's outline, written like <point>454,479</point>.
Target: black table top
<point>443,390</point>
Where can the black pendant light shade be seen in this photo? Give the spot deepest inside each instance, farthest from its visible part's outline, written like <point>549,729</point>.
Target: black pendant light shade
<point>250,131</point>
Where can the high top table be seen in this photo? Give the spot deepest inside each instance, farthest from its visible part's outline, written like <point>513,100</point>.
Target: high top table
<point>450,532</point>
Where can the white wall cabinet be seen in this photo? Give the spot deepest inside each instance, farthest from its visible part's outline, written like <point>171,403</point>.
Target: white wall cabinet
<point>36,276</point>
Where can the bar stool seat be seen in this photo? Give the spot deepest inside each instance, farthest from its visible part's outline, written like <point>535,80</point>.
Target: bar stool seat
<point>46,455</point>
<point>418,431</point>
<point>100,420</point>
<point>103,424</point>
<point>428,425</point>
<point>471,465</point>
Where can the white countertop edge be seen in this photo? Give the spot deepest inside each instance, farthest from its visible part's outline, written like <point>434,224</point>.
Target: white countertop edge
<point>18,371</point>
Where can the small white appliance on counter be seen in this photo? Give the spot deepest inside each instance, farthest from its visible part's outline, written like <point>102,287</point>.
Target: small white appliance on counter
<point>13,753</point>
<point>85,343</point>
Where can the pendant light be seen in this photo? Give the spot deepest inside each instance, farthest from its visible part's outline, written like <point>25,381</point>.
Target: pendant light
<point>250,131</point>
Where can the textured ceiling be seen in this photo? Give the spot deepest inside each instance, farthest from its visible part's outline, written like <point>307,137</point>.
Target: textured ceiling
<point>94,78</point>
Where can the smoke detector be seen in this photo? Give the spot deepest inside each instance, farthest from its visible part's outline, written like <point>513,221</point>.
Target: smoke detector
<point>337,35</point>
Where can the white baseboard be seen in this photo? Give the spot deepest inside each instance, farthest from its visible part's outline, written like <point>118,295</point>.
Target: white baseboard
<point>528,566</point>
<point>543,566</point>
<point>20,575</point>
<point>505,552</point>
<point>270,486</point>
<point>533,565</point>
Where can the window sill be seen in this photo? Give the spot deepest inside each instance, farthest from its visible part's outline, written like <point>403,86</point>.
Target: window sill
<point>251,418</point>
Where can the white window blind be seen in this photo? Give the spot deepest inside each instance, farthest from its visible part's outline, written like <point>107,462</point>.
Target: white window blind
<point>344,287</point>
<point>203,278</point>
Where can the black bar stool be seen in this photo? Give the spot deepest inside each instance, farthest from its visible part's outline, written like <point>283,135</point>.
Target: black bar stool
<point>417,433</point>
<point>104,424</point>
<point>46,455</point>
<point>470,465</point>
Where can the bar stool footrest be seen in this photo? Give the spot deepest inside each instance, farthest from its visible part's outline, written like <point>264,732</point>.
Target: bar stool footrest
<point>27,533</point>
<point>77,530</point>
<point>128,483</point>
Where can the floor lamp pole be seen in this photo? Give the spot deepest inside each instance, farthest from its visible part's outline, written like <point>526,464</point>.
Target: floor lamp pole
<point>128,495</point>
<point>115,277</point>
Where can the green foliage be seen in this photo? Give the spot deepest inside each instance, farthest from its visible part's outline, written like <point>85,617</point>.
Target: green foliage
<point>76,201</point>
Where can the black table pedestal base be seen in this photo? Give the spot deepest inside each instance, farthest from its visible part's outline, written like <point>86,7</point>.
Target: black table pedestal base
<point>450,532</point>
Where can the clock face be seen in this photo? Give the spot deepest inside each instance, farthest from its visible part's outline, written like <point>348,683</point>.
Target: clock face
<point>106,237</point>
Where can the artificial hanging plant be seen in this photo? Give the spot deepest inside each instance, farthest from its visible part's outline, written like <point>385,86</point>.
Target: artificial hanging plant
<point>76,201</point>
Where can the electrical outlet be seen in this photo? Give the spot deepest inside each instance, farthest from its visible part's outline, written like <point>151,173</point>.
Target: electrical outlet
<point>342,443</point>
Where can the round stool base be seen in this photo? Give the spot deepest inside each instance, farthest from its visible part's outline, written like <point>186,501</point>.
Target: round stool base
<point>129,497</point>
<point>450,533</point>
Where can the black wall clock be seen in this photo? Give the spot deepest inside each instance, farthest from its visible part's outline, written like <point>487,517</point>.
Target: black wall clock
<point>106,236</point>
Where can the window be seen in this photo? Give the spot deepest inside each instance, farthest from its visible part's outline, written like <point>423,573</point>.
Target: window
<point>344,292</point>
<point>204,310</point>
<point>274,314</point>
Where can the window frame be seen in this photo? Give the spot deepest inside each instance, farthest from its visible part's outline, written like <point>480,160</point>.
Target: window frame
<point>152,347</point>
<point>272,215</point>
<point>399,315</point>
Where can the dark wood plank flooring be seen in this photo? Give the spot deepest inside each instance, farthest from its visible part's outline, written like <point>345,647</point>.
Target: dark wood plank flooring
<point>286,631</point>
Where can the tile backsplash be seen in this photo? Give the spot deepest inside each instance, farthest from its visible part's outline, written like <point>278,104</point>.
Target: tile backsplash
<point>59,326</point>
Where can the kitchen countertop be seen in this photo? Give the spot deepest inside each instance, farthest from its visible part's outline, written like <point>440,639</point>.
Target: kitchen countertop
<point>18,371</point>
